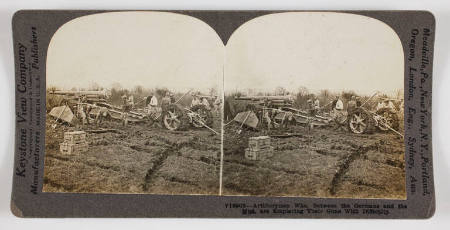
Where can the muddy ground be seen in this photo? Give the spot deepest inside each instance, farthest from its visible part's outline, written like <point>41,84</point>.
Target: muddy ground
<point>138,158</point>
<point>149,159</point>
<point>322,162</point>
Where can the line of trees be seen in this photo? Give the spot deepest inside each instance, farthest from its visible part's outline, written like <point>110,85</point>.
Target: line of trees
<point>302,95</point>
<point>139,93</point>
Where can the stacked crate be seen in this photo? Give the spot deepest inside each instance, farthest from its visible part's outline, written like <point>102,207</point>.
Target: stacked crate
<point>259,148</point>
<point>74,142</point>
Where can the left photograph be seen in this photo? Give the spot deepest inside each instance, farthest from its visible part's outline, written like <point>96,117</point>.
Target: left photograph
<point>134,105</point>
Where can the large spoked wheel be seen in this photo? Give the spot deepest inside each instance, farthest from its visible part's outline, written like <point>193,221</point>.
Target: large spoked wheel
<point>360,122</point>
<point>173,118</point>
<point>388,119</point>
<point>201,116</point>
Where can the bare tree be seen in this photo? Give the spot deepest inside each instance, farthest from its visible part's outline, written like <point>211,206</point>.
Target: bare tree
<point>301,97</point>
<point>324,96</point>
<point>95,86</point>
<point>280,91</point>
<point>213,91</point>
<point>116,86</point>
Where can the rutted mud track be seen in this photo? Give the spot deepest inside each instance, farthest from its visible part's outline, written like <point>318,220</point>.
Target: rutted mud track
<point>141,159</point>
<point>319,163</point>
<point>136,159</point>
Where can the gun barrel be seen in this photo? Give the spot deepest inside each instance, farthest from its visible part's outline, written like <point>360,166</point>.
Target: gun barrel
<point>88,93</point>
<point>270,98</point>
<point>206,96</point>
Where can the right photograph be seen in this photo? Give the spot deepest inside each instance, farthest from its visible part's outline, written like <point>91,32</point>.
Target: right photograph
<point>314,107</point>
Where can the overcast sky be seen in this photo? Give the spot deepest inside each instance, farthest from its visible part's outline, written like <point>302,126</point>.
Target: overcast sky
<point>152,49</point>
<point>332,51</point>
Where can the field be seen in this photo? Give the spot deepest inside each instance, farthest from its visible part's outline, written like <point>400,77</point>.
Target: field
<point>322,162</point>
<point>138,158</point>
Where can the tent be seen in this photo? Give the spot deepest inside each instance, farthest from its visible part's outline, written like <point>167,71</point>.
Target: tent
<point>62,113</point>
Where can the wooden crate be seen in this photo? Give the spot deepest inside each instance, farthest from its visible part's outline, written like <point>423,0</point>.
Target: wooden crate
<point>261,154</point>
<point>70,148</point>
<point>259,143</point>
<point>75,137</point>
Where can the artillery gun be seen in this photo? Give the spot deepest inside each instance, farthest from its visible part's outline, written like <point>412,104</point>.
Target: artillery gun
<point>63,104</point>
<point>74,96</point>
<point>362,120</point>
<point>276,111</point>
<point>268,101</point>
<point>177,117</point>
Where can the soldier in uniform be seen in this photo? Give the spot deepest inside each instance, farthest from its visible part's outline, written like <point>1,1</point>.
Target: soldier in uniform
<point>131,102</point>
<point>81,114</point>
<point>217,102</point>
<point>385,104</point>
<point>195,100</point>
<point>333,103</point>
<point>82,111</point>
<point>126,107</point>
<point>153,110</point>
<point>102,114</point>
<point>315,106</point>
<point>205,102</point>
<point>227,110</point>
<point>267,119</point>
<point>338,113</point>
<point>172,98</point>
<point>358,102</point>
<point>390,105</point>
<point>165,103</point>
<point>148,99</point>
<point>310,104</point>
<point>351,107</point>
<point>89,108</point>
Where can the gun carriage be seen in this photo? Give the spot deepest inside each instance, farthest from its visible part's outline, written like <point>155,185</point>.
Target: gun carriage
<point>276,111</point>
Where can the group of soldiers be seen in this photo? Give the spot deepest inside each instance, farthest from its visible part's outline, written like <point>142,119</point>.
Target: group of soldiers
<point>202,100</point>
<point>155,108</point>
<point>84,110</point>
<point>337,105</point>
<point>341,114</point>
